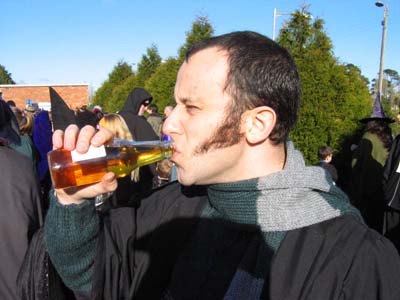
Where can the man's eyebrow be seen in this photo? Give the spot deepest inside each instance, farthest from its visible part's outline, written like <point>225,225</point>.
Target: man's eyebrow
<point>185,101</point>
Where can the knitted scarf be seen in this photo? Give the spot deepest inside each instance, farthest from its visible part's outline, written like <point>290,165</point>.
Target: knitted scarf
<point>296,197</point>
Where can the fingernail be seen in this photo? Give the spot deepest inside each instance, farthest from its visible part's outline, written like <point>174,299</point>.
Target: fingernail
<point>110,177</point>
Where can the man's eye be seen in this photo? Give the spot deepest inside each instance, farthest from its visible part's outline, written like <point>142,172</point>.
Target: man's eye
<point>191,108</point>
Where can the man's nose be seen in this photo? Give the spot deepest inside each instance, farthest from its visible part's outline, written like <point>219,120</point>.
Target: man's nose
<point>170,126</point>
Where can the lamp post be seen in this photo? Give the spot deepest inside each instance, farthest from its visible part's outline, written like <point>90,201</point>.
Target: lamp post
<point>277,14</point>
<point>384,25</point>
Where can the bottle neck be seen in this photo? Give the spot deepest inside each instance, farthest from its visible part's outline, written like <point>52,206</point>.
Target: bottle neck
<point>121,142</point>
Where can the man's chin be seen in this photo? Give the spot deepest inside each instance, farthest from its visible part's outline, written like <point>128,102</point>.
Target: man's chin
<point>184,180</point>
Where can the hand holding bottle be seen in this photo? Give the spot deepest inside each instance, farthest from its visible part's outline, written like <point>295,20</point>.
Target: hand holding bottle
<point>80,140</point>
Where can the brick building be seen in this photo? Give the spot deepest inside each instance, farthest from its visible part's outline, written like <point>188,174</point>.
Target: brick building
<point>74,95</point>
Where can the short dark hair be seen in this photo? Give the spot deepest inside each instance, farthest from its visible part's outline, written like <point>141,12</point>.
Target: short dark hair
<point>324,152</point>
<point>260,73</point>
<point>153,107</point>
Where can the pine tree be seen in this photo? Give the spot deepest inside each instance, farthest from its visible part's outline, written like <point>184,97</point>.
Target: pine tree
<point>334,95</point>
<point>5,76</point>
<point>118,75</point>
<point>148,65</point>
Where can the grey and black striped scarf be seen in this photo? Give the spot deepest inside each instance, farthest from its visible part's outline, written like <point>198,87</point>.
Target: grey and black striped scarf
<point>295,197</point>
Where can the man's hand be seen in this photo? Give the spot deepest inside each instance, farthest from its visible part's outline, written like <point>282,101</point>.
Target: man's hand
<point>71,139</point>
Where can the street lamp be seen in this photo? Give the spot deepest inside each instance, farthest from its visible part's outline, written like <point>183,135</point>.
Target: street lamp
<point>384,25</point>
<point>277,14</point>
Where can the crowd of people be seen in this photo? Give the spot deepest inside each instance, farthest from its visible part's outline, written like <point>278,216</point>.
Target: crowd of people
<point>235,213</point>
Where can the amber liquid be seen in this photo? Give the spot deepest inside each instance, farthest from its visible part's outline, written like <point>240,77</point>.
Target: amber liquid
<point>119,160</point>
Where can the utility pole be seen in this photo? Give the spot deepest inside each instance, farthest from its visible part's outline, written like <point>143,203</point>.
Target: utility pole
<point>277,14</point>
<point>383,43</point>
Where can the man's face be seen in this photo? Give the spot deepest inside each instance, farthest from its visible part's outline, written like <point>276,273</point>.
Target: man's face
<point>194,124</point>
<point>143,107</point>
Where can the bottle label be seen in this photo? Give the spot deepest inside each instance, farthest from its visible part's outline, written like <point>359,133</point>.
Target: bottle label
<point>93,152</point>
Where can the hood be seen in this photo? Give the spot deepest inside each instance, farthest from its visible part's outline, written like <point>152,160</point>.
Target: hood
<point>135,100</point>
<point>296,197</point>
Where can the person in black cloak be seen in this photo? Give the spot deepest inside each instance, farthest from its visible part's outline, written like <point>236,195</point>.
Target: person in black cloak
<point>20,213</point>
<point>369,158</point>
<point>247,219</point>
<point>141,130</point>
<point>132,112</point>
<point>391,192</point>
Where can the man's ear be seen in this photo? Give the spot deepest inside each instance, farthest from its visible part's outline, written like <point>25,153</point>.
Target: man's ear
<point>259,123</point>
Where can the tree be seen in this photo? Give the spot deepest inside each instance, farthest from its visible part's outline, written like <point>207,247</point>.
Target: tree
<point>120,93</point>
<point>334,95</point>
<point>148,65</point>
<point>392,84</point>
<point>161,84</point>
<point>118,75</point>
<point>201,29</point>
<point>156,76</point>
<point>5,76</point>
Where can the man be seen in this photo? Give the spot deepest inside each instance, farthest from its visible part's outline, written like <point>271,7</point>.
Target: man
<point>154,118</point>
<point>247,220</point>
<point>168,110</point>
<point>132,112</point>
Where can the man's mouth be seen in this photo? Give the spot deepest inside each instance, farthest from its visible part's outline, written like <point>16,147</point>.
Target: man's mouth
<point>175,153</point>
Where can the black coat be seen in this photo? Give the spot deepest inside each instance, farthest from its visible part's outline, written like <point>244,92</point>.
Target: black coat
<point>20,216</point>
<point>140,129</point>
<point>138,246</point>
<point>163,250</point>
<point>336,259</point>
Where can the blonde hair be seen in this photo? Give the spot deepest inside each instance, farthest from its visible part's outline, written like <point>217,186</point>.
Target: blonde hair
<point>117,125</point>
<point>25,121</point>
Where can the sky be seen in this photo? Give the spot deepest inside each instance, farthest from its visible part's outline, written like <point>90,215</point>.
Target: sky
<point>74,42</point>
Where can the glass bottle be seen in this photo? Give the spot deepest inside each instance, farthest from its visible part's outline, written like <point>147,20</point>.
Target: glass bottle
<point>69,168</point>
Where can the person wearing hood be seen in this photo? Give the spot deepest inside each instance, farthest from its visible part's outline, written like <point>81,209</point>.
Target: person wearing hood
<point>141,130</point>
<point>20,213</point>
<point>247,219</point>
<point>132,112</point>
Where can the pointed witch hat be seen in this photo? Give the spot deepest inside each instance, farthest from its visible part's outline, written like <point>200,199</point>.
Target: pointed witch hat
<point>377,112</point>
<point>61,114</point>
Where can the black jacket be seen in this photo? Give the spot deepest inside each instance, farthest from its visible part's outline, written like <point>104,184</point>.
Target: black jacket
<point>163,250</point>
<point>20,215</point>
<point>138,246</point>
